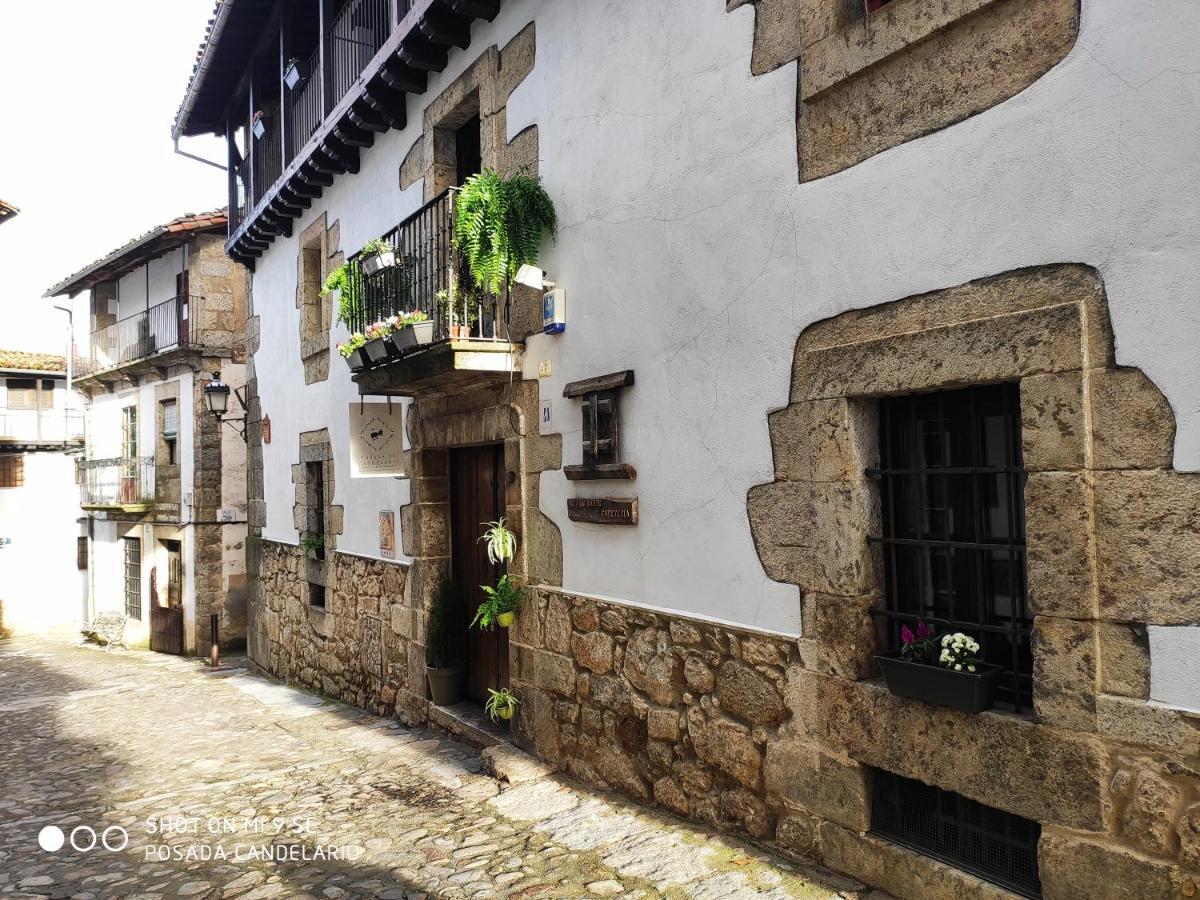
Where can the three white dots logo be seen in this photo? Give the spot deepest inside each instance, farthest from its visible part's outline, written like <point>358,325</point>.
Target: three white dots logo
<point>114,838</point>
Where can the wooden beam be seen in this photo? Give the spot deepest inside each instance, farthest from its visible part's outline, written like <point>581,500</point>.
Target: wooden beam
<point>303,189</point>
<point>344,154</point>
<point>404,78</point>
<point>365,117</point>
<point>445,28</point>
<point>420,54</point>
<point>394,119</point>
<point>355,137</point>
<point>480,9</point>
<point>310,175</point>
<point>599,383</point>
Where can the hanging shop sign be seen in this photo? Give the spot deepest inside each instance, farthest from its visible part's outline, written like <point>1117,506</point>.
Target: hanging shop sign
<point>376,439</point>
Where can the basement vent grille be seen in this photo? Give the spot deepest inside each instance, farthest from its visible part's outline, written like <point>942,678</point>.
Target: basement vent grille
<point>997,846</point>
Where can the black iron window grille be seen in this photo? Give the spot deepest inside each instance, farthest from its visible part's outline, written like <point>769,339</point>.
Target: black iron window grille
<point>952,485</point>
<point>998,846</point>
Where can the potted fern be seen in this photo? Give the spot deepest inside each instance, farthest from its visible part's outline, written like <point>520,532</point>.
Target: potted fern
<point>499,224</point>
<point>444,662</point>
<point>500,604</point>
<point>376,256</point>
<point>501,704</point>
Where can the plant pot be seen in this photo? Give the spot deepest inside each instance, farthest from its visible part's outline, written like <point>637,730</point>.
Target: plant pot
<point>411,336</point>
<point>966,691</point>
<point>505,712</point>
<point>376,350</point>
<point>446,686</point>
<point>377,262</point>
<point>460,332</point>
<point>505,620</point>
<point>353,363</point>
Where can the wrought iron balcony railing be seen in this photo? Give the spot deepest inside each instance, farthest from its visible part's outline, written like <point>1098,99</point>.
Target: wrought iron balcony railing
<point>165,326</point>
<point>117,483</point>
<point>428,277</point>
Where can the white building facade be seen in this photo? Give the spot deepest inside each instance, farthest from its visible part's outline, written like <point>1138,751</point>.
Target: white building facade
<point>162,481</point>
<point>42,563</point>
<point>893,312</point>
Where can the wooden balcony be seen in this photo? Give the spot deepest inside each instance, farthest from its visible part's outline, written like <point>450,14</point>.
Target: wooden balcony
<point>353,84</point>
<point>450,365</point>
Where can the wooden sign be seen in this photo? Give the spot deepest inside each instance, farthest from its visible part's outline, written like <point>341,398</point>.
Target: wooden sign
<point>266,429</point>
<point>603,510</point>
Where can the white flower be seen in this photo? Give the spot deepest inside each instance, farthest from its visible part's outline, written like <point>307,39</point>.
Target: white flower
<point>958,668</point>
<point>970,668</point>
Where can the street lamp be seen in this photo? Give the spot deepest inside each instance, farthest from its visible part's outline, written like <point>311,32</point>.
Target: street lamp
<point>216,398</point>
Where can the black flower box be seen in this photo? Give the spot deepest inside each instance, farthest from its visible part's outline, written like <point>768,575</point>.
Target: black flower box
<point>970,692</point>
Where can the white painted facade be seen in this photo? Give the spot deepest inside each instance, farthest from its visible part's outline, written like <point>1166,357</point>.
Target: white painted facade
<point>690,253</point>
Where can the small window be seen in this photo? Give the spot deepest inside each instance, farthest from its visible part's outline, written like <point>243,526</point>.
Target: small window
<point>81,552</point>
<point>170,429</point>
<point>997,846</point>
<point>12,471</point>
<point>129,432</point>
<point>22,393</point>
<point>601,427</point>
<point>952,486</point>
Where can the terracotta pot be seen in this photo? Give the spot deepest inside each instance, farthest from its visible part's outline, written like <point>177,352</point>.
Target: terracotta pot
<point>460,332</point>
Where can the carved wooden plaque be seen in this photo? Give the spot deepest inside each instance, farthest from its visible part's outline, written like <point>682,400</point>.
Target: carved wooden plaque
<point>603,510</point>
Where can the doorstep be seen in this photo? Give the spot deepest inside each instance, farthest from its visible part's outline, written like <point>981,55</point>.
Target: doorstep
<point>467,721</point>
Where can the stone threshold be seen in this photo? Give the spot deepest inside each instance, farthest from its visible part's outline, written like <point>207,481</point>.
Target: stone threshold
<point>467,722</point>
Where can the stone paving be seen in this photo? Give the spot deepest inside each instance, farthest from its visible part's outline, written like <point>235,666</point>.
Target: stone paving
<point>225,784</point>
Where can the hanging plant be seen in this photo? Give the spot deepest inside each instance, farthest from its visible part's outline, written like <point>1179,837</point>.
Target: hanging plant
<point>501,542</point>
<point>345,280</point>
<point>499,225</point>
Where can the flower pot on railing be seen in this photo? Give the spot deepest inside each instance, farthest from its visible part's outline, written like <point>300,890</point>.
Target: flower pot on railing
<point>376,351</point>
<point>377,262</point>
<point>970,692</point>
<point>411,336</point>
<point>460,332</point>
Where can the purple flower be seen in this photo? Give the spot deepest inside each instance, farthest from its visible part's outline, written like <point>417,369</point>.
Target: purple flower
<point>906,634</point>
<point>923,630</point>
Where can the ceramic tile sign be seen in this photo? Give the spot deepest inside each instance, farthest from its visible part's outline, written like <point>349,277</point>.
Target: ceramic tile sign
<point>546,416</point>
<point>376,440</point>
<point>387,534</point>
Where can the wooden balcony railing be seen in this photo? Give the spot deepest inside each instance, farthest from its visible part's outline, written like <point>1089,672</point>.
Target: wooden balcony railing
<point>366,58</point>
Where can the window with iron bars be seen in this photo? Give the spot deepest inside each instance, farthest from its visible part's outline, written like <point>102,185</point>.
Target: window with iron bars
<point>952,485</point>
<point>995,845</point>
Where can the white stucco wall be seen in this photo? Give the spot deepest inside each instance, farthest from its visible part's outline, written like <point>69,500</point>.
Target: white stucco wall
<point>150,284</point>
<point>691,254</point>
<point>41,589</point>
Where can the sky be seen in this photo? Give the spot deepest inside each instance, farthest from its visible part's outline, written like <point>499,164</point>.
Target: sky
<point>88,94</point>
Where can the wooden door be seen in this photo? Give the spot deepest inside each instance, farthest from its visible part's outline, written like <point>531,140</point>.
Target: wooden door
<point>182,309</point>
<point>477,497</point>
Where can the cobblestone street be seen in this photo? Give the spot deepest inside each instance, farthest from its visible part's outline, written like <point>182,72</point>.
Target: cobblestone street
<point>210,774</point>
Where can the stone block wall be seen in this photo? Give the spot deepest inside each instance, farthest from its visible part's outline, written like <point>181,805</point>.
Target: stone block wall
<point>356,648</point>
<point>867,83</point>
<point>1113,545</point>
<point>690,715</point>
<point>218,308</point>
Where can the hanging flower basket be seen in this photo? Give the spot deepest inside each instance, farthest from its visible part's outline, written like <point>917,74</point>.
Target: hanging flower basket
<point>377,255</point>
